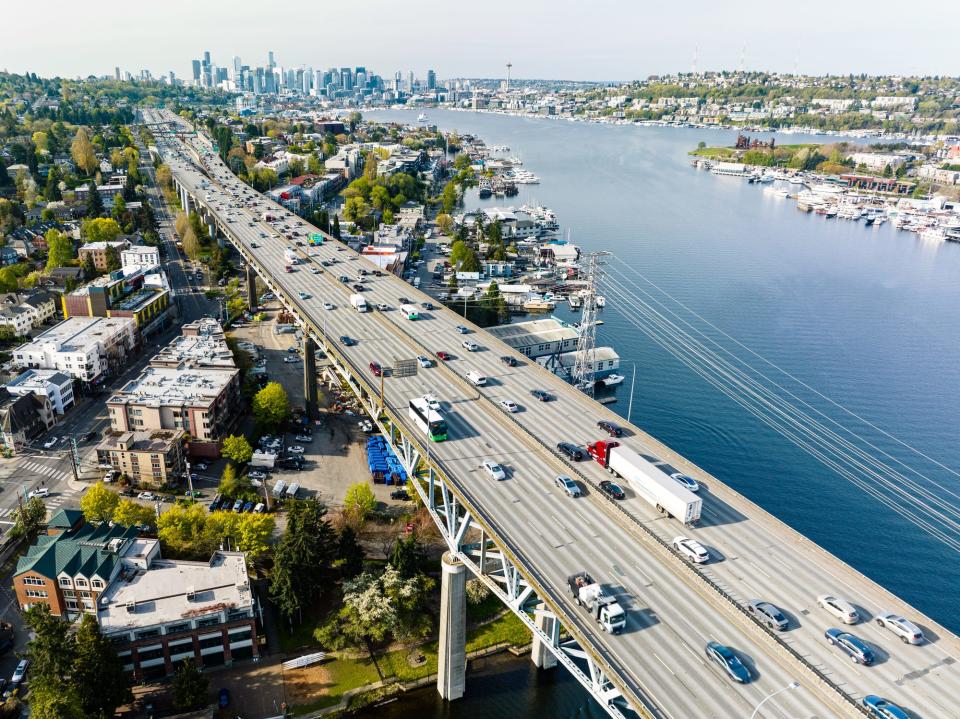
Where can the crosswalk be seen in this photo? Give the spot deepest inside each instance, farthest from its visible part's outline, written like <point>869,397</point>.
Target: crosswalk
<point>28,472</point>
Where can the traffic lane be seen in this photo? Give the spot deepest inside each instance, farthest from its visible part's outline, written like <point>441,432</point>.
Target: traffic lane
<point>667,599</point>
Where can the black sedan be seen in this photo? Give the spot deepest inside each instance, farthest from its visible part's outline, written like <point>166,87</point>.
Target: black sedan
<point>541,396</point>
<point>611,489</point>
<point>570,451</point>
<point>509,360</point>
<point>610,428</point>
<point>347,341</point>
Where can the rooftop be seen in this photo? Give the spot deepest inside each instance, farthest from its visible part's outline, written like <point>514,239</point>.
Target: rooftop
<point>170,590</point>
<point>37,379</point>
<point>158,386</point>
<point>204,346</point>
<point>157,441</point>
<point>534,332</point>
<point>78,334</point>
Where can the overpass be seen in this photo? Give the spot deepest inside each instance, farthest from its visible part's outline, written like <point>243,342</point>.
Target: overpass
<point>523,537</point>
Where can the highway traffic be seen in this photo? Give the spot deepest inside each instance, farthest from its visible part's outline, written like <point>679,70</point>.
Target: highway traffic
<point>661,653</point>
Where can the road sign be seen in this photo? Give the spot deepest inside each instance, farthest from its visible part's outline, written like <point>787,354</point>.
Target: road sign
<point>404,367</point>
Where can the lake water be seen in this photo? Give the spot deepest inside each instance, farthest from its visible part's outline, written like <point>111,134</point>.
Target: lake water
<point>866,316</point>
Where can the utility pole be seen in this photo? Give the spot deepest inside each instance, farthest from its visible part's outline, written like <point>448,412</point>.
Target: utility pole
<point>74,459</point>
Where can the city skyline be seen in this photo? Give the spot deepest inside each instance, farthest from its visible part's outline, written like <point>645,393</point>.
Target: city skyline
<point>542,40</point>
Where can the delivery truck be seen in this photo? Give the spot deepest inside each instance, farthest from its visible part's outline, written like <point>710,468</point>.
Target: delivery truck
<point>651,483</point>
<point>359,302</point>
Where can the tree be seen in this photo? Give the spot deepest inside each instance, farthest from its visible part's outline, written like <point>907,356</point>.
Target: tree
<point>82,152</point>
<point>189,686</point>
<point>60,249</point>
<point>119,206</point>
<point>230,485</point>
<point>477,592</point>
<point>52,191</point>
<point>99,503</point>
<point>8,280</point>
<point>445,223</point>
<point>94,201</point>
<point>28,519</point>
<point>359,502</point>
<point>449,198</point>
<point>355,209</point>
<point>98,674</point>
<point>51,649</point>
<point>130,514</point>
<point>191,244</point>
<point>113,259</point>
<point>407,556</point>
<point>336,227</point>
<point>271,406</point>
<point>237,448</point>
<point>100,229</point>
<point>303,558</point>
<point>89,268</point>
<point>350,553</point>
<point>55,699</point>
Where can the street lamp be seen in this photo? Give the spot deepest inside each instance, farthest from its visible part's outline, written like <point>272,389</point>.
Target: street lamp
<point>791,685</point>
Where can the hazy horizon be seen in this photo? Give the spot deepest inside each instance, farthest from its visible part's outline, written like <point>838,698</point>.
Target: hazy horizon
<point>615,41</point>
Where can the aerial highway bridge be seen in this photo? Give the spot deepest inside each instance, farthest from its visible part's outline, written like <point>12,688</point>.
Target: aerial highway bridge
<point>523,536</point>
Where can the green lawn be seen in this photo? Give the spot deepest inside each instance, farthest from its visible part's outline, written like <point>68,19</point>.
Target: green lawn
<point>715,153</point>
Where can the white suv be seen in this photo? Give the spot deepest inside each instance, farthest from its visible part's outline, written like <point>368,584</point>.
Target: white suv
<point>908,632</point>
<point>840,608</point>
<point>691,549</point>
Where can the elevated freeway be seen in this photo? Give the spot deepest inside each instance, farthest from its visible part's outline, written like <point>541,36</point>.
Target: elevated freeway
<point>657,665</point>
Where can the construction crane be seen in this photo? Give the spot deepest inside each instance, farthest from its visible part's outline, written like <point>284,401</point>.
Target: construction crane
<point>583,369</point>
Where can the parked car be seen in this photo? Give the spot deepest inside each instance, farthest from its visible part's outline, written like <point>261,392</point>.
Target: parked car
<point>840,608</point>
<point>509,405</point>
<point>257,474</point>
<point>571,488</point>
<point>202,466</point>
<point>50,443</point>
<point>541,396</point>
<point>571,451</point>
<point>882,709</point>
<point>610,428</point>
<point>691,549</point>
<point>20,673</point>
<point>295,449</point>
<point>611,489</point>
<point>768,614</point>
<point>400,494</point>
<point>238,505</point>
<point>148,496</point>
<point>248,507</point>
<point>305,438</point>
<point>852,645</point>
<point>291,359</point>
<point>908,632</point>
<point>728,660</point>
<point>493,469</point>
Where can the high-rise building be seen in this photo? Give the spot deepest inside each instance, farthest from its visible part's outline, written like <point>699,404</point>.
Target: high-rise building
<point>346,78</point>
<point>236,68</point>
<point>116,73</point>
<point>270,63</point>
<point>196,72</point>
<point>206,57</point>
<point>412,82</point>
<point>431,80</point>
<point>396,82</point>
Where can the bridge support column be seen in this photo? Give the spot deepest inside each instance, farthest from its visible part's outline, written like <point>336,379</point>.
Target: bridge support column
<point>251,288</point>
<point>452,662</point>
<point>540,653</point>
<point>310,377</point>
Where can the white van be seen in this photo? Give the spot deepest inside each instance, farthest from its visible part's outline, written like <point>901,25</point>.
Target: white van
<point>293,489</point>
<point>478,379</point>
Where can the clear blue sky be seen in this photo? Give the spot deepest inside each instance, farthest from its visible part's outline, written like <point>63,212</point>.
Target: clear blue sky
<point>595,40</point>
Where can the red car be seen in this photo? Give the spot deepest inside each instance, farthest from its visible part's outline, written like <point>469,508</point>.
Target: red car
<point>443,355</point>
<point>376,369</point>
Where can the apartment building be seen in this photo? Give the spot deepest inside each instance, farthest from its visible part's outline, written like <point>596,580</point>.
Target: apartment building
<point>119,295</point>
<point>203,402</point>
<point>100,252</point>
<point>149,459</point>
<point>53,384</point>
<point>87,348</point>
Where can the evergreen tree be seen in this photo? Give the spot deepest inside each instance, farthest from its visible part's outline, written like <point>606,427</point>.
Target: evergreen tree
<point>189,686</point>
<point>336,227</point>
<point>94,201</point>
<point>98,674</point>
<point>407,556</point>
<point>350,553</point>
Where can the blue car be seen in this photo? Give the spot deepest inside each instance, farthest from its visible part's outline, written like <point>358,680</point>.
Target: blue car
<point>248,507</point>
<point>224,700</point>
<point>728,661</point>
<point>882,709</point>
<point>238,505</point>
<point>854,647</point>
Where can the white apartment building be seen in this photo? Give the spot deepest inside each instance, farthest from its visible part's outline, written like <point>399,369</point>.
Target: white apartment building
<point>83,347</point>
<point>52,384</point>
<point>878,160</point>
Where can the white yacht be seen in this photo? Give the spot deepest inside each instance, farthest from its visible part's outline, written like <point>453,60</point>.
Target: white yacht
<point>422,117</point>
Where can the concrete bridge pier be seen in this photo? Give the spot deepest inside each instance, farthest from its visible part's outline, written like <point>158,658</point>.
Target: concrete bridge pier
<point>310,377</point>
<point>452,662</point>
<point>251,289</point>
<point>540,653</point>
